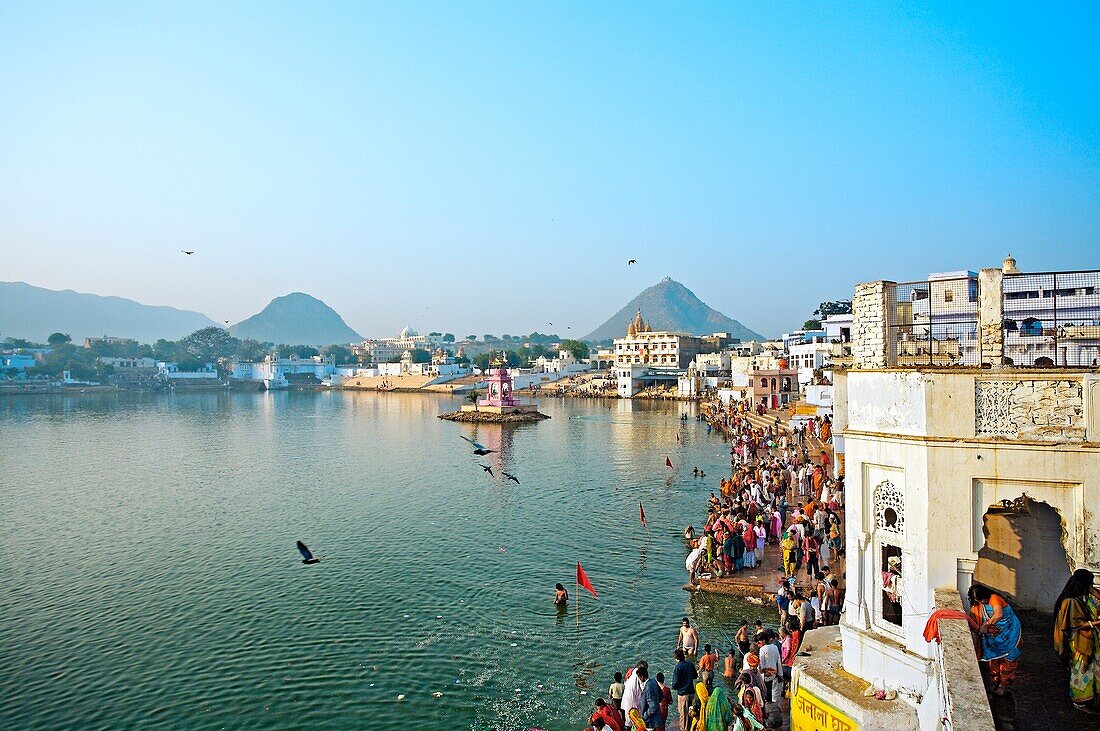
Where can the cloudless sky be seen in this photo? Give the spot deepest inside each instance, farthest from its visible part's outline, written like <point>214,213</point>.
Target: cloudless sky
<point>485,167</point>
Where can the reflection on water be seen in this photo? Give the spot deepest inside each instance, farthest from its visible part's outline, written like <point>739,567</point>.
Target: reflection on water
<point>158,585</point>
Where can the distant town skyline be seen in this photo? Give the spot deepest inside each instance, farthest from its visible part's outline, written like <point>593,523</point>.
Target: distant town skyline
<point>492,168</point>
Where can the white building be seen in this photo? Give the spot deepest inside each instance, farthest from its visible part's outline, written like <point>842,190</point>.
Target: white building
<point>170,372</point>
<point>952,476</point>
<point>388,350</point>
<point>274,372</point>
<point>807,357</point>
<point>656,348</point>
<point>565,363</point>
<point>1049,318</point>
<point>127,363</point>
<point>838,328</point>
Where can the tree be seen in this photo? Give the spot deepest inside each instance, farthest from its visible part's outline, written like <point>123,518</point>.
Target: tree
<point>17,343</point>
<point>449,338</point>
<point>253,350</point>
<point>472,397</point>
<point>56,339</point>
<point>838,307</point>
<point>419,355</point>
<point>811,325</point>
<point>489,338</point>
<point>471,337</point>
<point>339,352</point>
<point>434,335</point>
<point>166,349</point>
<point>209,344</point>
<point>576,347</point>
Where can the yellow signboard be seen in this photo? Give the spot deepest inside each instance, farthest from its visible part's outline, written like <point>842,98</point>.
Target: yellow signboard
<point>810,713</point>
<point>805,410</point>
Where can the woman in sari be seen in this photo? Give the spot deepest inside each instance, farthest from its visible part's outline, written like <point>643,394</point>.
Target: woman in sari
<point>1076,618</point>
<point>719,710</point>
<point>1000,633</point>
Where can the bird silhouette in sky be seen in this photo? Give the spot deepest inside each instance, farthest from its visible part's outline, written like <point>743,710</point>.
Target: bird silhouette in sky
<point>307,555</point>
<point>185,251</point>
<point>513,478</point>
<point>479,449</point>
<point>632,261</point>
<point>487,468</point>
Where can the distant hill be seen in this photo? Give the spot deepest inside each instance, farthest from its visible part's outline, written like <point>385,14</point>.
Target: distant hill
<point>33,313</point>
<point>296,319</point>
<point>669,305</point>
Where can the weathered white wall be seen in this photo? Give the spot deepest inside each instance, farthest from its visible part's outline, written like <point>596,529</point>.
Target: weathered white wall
<point>919,431</point>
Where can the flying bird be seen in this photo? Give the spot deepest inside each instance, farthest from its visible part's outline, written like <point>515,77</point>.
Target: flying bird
<point>479,449</point>
<point>307,555</point>
<point>185,251</point>
<point>513,478</point>
<point>632,261</point>
<point>487,468</point>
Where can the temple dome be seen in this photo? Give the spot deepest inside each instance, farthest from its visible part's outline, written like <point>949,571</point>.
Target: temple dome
<point>408,332</point>
<point>1009,265</point>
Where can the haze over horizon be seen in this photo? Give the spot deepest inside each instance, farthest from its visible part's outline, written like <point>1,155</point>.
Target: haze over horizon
<point>486,168</point>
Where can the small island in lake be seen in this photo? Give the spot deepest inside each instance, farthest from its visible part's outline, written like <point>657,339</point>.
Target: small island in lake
<point>499,405</point>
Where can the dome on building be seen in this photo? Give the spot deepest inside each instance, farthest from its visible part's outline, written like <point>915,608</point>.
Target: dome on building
<point>408,332</point>
<point>1009,265</point>
<point>637,326</point>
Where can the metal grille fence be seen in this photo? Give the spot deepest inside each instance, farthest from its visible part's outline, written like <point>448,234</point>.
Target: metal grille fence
<point>1052,318</point>
<point>935,322</point>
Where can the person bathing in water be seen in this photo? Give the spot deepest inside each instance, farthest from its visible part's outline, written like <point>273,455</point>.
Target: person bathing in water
<point>561,596</point>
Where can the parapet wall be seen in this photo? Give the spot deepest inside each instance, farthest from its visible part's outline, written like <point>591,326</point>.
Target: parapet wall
<point>965,704</point>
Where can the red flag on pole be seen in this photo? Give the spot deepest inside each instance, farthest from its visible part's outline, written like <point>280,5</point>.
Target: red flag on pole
<point>582,580</point>
<point>641,511</point>
<point>668,462</point>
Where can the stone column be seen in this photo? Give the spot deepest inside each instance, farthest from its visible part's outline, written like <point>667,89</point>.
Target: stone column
<point>872,346</point>
<point>991,316</point>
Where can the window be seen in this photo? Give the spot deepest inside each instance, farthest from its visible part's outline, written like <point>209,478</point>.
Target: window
<point>891,584</point>
<point>948,295</point>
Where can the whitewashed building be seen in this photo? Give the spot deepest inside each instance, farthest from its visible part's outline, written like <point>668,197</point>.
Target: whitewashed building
<point>953,475</point>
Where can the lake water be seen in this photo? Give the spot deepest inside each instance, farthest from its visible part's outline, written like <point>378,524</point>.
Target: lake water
<point>150,576</point>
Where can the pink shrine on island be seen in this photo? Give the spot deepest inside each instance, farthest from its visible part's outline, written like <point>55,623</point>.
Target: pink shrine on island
<point>499,397</point>
<point>498,390</point>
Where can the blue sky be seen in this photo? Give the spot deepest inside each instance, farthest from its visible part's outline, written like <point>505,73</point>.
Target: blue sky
<point>483,167</point>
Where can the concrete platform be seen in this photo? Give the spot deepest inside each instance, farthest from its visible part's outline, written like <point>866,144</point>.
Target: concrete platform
<point>823,695</point>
